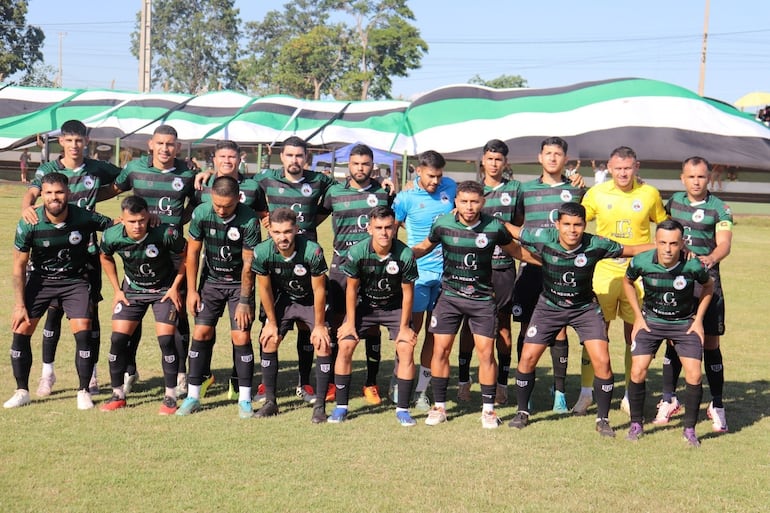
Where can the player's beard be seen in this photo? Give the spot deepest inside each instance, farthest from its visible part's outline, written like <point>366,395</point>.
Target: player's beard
<point>55,208</point>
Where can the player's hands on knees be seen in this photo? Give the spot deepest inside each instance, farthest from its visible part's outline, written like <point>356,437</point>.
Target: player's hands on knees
<point>29,215</point>
<point>639,324</point>
<point>320,339</point>
<point>347,330</point>
<point>173,296</point>
<point>244,315</point>
<point>407,334</point>
<point>120,297</point>
<point>697,328</point>
<point>19,317</point>
<point>193,302</point>
<point>269,334</point>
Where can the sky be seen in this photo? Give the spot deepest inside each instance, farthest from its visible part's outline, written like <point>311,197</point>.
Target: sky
<point>550,44</point>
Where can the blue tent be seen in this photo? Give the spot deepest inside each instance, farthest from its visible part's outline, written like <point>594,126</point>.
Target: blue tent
<point>343,155</point>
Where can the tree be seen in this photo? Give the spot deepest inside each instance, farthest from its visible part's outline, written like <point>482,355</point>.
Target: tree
<point>194,44</point>
<point>40,75</point>
<point>19,43</point>
<point>501,82</point>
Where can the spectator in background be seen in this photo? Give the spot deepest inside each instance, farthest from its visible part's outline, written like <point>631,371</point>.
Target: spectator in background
<point>243,167</point>
<point>23,161</point>
<point>600,172</point>
<point>715,179</point>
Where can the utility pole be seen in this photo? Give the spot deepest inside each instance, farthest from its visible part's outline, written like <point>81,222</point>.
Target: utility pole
<point>60,74</point>
<point>702,80</point>
<point>145,46</point>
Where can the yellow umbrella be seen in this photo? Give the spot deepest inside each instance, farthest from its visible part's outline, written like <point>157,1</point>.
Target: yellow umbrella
<point>755,99</point>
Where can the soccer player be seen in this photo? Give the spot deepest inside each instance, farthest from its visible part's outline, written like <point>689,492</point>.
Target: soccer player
<point>291,280</point>
<point>350,204</point>
<point>167,184</point>
<point>433,195</point>
<point>569,256</point>
<point>228,231</point>
<point>302,191</point>
<point>381,272</point>
<point>623,209</point>
<point>469,239</point>
<point>708,234</point>
<point>500,198</point>
<point>539,201</point>
<point>152,279</point>
<point>671,310</point>
<point>57,248</point>
<point>89,181</point>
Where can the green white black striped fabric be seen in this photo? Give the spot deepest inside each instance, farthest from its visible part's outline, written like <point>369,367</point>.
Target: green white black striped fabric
<point>290,276</point>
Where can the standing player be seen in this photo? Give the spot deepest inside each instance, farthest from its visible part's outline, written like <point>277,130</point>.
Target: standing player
<point>708,234</point>
<point>57,249</point>
<point>537,207</point>
<point>569,256</point>
<point>623,209</point>
<point>228,231</point>
<point>89,182</point>
<point>671,310</point>
<point>500,198</point>
<point>469,239</point>
<point>291,280</point>
<point>350,205</point>
<point>432,196</point>
<point>152,278</point>
<point>381,272</point>
<point>166,183</point>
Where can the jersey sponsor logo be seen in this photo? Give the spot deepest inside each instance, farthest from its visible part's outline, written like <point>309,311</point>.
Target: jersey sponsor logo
<point>392,267</point>
<point>300,270</point>
<point>565,196</point>
<point>306,190</point>
<point>581,260</point>
<point>531,331</point>
<point>75,237</point>
<point>538,232</point>
<point>151,251</point>
<point>164,206</point>
<point>281,190</point>
<point>669,299</point>
<point>127,253</point>
<point>371,200</point>
<point>505,199</point>
<point>177,184</point>
<point>88,182</point>
<point>383,284</point>
<point>469,289</point>
<point>568,278</point>
<point>469,261</point>
<point>680,282</point>
<point>146,270</point>
<point>233,233</point>
<point>698,215</point>
<point>225,254</point>
<point>444,197</point>
<point>482,240</point>
<point>636,206</point>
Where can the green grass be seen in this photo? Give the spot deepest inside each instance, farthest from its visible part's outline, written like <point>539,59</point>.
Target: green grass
<point>56,458</point>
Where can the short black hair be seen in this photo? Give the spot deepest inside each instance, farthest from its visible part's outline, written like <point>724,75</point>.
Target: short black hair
<point>470,186</point>
<point>381,212</point>
<point>227,145</point>
<point>496,146</point>
<point>571,209</point>
<point>623,152</point>
<point>56,178</point>
<point>134,204</point>
<point>695,161</point>
<point>670,225</point>
<point>166,130</point>
<point>554,141</point>
<point>432,159</point>
<point>362,149</point>
<point>295,141</point>
<point>74,127</point>
<point>226,186</point>
<point>282,215</point>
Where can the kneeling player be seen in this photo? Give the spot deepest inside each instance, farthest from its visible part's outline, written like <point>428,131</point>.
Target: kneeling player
<point>151,279</point>
<point>381,272</point>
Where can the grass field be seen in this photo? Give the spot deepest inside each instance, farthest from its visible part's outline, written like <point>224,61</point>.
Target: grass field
<point>56,458</point>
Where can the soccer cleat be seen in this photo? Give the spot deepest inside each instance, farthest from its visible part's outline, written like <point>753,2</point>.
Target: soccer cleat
<point>666,411</point>
<point>232,391</point>
<point>371,394</point>
<point>113,403</point>
<point>168,406</point>
<point>269,409</point>
<point>245,411</point>
<point>205,385</point>
<point>306,393</point>
<point>501,395</point>
<point>690,437</point>
<point>625,406</point>
<point>584,401</point>
<point>331,393</point>
<point>45,385</point>
<point>520,421</point>
<point>422,403</point>
<point>189,406</point>
<point>718,420</point>
<point>490,420</point>
<point>84,400</point>
<point>464,391</point>
<point>319,415</point>
<point>93,386</point>
<point>560,402</point>
<point>603,428</point>
<point>259,397</point>
<point>19,398</point>
<point>338,416</point>
<point>129,380</point>
<point>635,432</point>
<point>436,416</point>
<point>405,419</point>
<point>181,384</point>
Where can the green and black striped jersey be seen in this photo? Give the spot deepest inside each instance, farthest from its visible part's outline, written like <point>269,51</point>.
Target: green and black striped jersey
<point>669,294</point>
<point>147,263</point>
<point>224,241</point>
<point>468,254</point>
<point>539,202</point>
<point>500,202</point>
<point>568,274</point>
<point>380,277</point>
<point>60,251</point>
<point>290,276</point>
<point>249,193</point>
<point>84,182</point>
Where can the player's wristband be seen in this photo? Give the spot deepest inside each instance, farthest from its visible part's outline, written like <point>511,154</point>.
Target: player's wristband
<point>245,300</point>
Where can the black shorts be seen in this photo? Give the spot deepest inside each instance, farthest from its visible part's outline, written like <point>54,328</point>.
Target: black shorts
<point>335,290</point>
<point>547,321</point>
<point>368,317</point>
<point>214,298</point>
<point>714,320</point>
<point>526,291</point>
<point>686,345</point>
<point>165,312</point>
<point>74,296</point>
<point>450,311</point>
<point>288,312</point>
<point>503,282</point>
